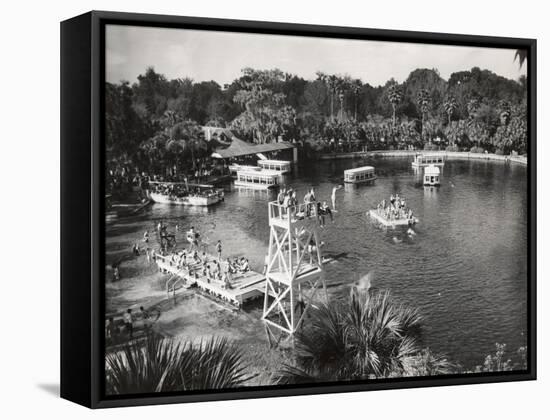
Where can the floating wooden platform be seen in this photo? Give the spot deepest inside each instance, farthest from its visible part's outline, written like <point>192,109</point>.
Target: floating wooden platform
<point>395,222</point>
<point>244,287</point>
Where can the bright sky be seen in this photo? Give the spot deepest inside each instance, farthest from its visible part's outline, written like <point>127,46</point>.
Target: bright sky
<point>220,56</point>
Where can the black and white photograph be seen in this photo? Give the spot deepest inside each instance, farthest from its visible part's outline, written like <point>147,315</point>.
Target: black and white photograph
<point>287,210</point>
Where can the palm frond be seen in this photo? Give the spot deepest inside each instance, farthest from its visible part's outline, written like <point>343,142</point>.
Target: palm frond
<point>369,336</point>
<point>160,365</point>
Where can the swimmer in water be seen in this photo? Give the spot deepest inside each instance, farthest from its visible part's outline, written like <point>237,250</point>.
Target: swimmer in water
<point>397,241</point>
<point>411,232</point>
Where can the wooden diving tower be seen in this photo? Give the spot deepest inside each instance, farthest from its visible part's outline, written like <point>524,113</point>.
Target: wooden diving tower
<point>294,270</point>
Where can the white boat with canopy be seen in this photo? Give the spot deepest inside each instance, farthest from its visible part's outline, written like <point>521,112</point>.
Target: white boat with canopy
<point>234,167</point>
<point>257,179</point>
<point>426,159</point>
<point>185,194</point>
<point>431,176</point>
<point>282,166</point>
<point>360,175</point>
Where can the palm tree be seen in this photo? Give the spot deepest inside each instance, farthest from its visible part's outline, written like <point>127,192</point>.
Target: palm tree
<point>394,96</point>
<point>423,101</point>
<point>472,106</point>
<point>505,111</point>
<point>356,87</point>
<point>184,136</point>
<point>162,365</point>
<point>332,83</point>
<point>369,336</point>
<point>342,86</point>
<point>450,105</point>
<point>521,56</point>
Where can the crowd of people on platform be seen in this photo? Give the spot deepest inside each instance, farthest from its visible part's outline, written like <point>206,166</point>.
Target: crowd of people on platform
<point>395,208</point>
<point>194,259</point>
<point>310,207</point>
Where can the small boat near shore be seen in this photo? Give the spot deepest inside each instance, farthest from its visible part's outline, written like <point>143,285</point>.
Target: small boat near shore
<point>261,180</point>
<point>282,166</point>
<point>426,159</point>
<point>432,176</point>
<point>235,167</point>
<point>185,194</point>
<point>359,175</point>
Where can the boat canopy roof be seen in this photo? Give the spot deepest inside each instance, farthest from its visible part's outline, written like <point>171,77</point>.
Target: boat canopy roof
<point>360,169</point>
<point>265,173</point>
<point>430,155</point>
<point>431,170</point>
<point>274,162</point>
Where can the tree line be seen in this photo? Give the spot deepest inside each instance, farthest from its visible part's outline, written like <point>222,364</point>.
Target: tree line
<point>155,121</point>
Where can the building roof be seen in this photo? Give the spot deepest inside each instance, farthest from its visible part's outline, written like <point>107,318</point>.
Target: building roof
<point>236,147</point>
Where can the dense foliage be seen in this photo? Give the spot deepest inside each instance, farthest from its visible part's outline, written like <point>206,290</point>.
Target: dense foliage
<point>164,364</point>
<point>155,122</point>
<point>368,336</point>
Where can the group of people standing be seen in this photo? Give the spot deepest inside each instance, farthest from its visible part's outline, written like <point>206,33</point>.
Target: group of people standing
<point>394,209</point>
<point>117,330</point>
<point>287,199</point>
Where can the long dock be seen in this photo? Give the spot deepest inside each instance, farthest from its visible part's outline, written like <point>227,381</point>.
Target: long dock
<point>244,287</point>
<point>394,222</point>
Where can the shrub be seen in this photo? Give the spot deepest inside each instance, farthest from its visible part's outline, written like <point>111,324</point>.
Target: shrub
<point>499,152</point>
<point>430,146</point>
<point>452,148</point>
<point>477,149</point>
<point>368,336</point>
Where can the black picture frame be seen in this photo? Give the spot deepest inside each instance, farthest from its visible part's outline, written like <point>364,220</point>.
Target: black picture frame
<point>82,205</point>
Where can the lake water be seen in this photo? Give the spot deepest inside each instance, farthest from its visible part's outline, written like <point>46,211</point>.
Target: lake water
<point>465,270</point>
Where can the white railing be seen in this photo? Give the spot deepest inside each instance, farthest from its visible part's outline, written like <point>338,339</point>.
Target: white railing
<point>298,211</point>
